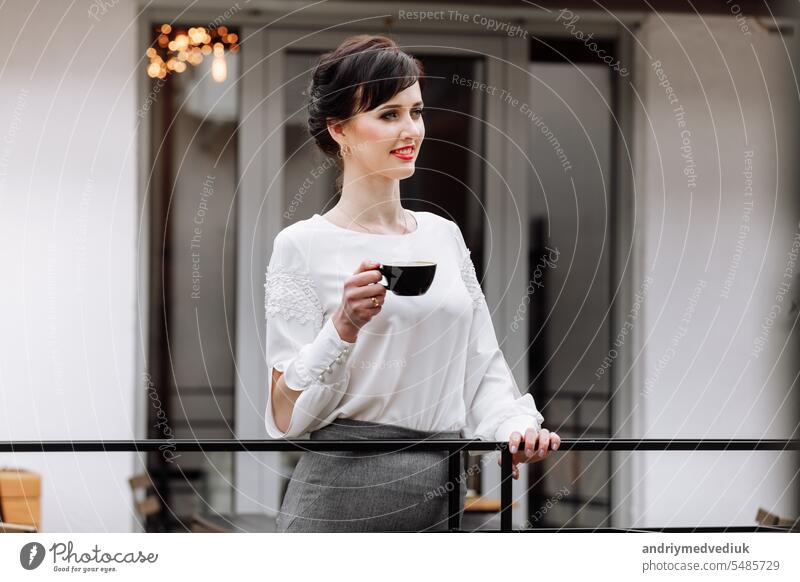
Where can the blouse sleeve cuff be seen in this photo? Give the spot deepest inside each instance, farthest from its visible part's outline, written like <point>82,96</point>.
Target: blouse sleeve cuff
<point>323,361</point>
<point>519,423</point>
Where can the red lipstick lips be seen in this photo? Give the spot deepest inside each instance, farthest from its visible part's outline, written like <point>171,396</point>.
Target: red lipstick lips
<point>408,152</point>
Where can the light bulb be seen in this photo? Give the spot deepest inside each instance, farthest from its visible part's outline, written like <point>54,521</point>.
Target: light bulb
<point>197,35</point>
<point>219,69</point>
<point>181,42</point>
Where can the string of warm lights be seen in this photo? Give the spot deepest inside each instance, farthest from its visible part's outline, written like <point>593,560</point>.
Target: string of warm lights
<point>175,48</point>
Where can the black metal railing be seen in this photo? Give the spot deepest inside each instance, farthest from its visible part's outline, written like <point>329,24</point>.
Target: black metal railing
<point>452,446</point>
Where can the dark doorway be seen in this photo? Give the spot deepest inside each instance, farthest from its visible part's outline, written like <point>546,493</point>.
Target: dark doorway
<point>190,358</point>
<point>572,211</point>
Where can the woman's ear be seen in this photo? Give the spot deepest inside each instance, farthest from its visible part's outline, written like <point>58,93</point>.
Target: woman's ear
<point>336,129</point>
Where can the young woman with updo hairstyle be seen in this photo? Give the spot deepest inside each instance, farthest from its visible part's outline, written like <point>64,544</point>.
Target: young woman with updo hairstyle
<point>348,359</point>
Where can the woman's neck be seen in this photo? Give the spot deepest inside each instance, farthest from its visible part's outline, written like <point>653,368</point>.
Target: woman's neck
<point>374,203</point>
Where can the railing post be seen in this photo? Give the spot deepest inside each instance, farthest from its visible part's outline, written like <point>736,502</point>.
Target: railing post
<point>454,495</point>
<point>506,491</point>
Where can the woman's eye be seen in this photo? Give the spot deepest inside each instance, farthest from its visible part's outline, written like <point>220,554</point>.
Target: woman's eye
<point>418,112</point>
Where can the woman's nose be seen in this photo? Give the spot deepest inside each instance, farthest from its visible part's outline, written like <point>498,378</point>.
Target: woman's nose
<point>410,129</point>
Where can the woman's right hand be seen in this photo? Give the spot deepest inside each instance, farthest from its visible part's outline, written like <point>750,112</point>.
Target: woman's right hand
<point>357,307</point>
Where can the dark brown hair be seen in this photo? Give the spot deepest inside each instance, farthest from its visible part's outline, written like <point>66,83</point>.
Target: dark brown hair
<point>361,74</point>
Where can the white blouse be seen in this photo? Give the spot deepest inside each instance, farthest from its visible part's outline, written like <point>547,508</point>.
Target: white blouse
<point>430,362</point>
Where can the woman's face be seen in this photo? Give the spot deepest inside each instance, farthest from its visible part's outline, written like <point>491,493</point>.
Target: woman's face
<point>371,136</point>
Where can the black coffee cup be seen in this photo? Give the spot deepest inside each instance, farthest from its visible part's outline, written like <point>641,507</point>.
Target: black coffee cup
<point>408,277</point>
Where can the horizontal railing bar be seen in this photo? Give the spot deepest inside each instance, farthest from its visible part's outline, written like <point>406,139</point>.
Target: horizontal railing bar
<point>390,445</point>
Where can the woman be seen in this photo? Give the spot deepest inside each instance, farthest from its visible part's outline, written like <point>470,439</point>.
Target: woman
<point>349,361</point>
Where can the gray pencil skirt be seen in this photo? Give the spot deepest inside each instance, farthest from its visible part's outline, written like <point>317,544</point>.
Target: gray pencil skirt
<point>345,491</point>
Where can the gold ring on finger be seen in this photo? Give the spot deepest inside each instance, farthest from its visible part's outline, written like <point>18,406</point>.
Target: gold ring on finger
<point>375,302</point>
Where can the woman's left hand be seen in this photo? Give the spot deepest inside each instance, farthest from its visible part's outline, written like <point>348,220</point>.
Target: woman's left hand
<point>537,447</point>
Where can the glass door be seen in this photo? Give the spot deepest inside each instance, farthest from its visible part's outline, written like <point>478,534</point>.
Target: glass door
<point>190,370</point>
<point>572,223</point>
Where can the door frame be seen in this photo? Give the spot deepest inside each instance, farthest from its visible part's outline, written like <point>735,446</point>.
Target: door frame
<point>505,234</point>
<point>256,473</point>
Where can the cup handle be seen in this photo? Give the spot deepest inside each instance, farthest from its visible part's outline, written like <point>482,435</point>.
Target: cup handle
<point>383,278</point>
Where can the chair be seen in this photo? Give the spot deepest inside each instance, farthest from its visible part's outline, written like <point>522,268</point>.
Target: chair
<point>20,504</point>
<point>764,517</point>
<point>16,528</point>
<point>144,502</point>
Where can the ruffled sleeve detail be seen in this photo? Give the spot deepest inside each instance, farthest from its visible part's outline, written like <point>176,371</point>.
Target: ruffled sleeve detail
<point>292,294</point>
<point>471,280</point>
<point>300,342</point>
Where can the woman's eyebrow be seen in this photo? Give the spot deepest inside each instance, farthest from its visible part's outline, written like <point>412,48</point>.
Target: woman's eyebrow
<point>399,105</point>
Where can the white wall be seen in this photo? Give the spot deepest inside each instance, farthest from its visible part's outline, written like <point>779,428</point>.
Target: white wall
<point>68,220</point>
<point>700,378</point>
